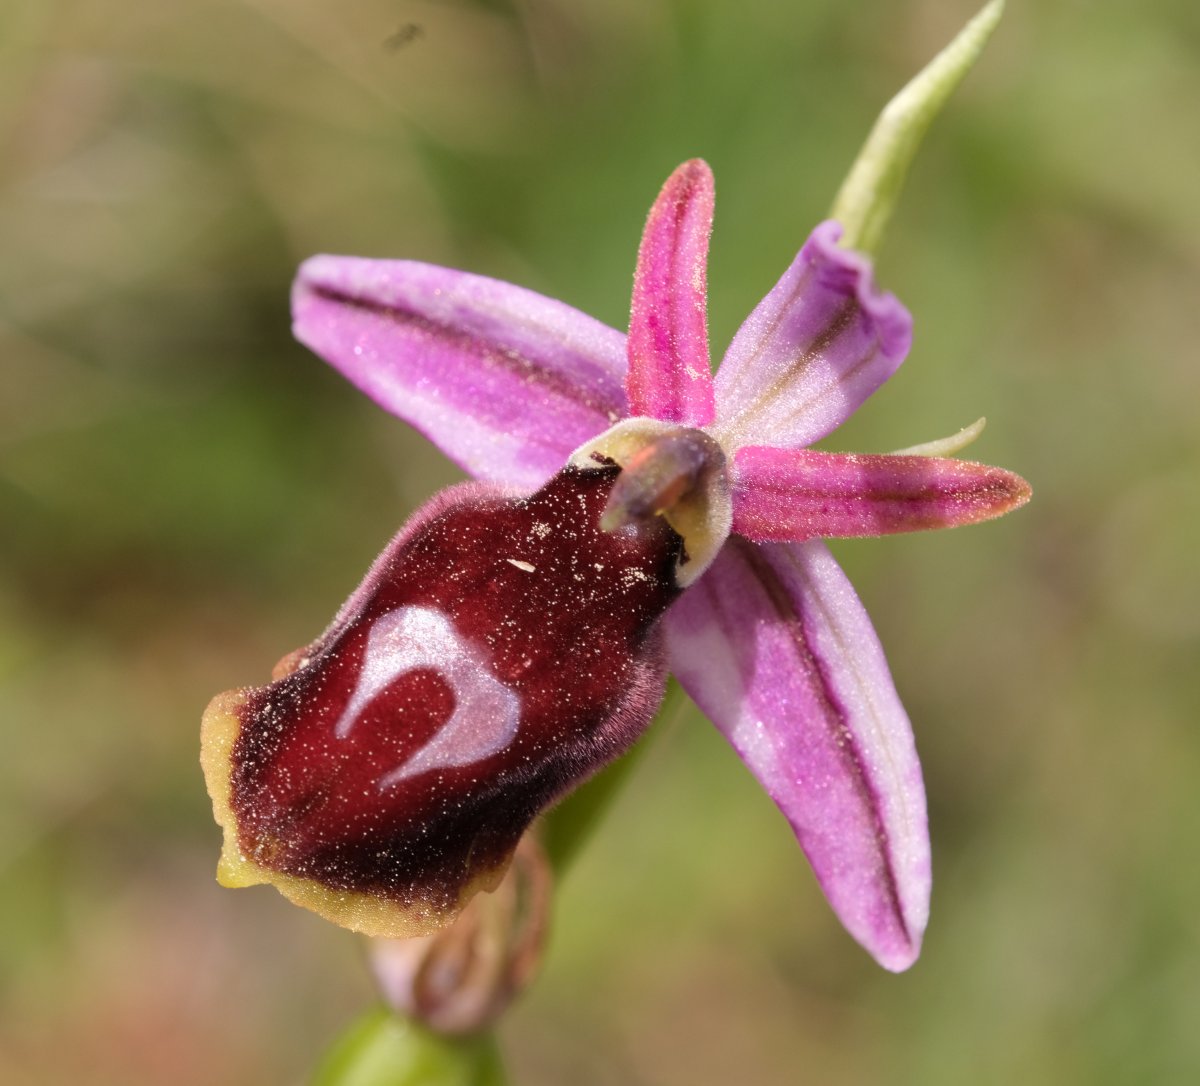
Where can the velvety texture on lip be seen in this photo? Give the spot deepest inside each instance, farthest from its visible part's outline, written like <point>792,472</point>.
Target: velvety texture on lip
<point>498,653</point>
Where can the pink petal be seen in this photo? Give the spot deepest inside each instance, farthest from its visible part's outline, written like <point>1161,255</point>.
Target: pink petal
<point>505,381</point>
<point>669,376</point>
<point>775,647</point>
<point>798,494</point>
<point>812,351</point>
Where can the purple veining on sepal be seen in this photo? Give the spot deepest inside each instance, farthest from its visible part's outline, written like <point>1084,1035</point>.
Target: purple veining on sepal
<point>669,375</point>
<point>505,381</point>
<point>799,494</point>
<point>812,351</point>
<point>776,649</point>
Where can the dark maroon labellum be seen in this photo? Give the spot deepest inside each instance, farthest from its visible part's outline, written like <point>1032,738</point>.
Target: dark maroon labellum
<point>499,652</point>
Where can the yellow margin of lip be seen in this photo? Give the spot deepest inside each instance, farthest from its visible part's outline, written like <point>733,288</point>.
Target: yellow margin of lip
<point>377,917</point>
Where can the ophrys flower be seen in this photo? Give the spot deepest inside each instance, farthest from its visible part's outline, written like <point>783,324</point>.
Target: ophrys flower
<point>503,647</point>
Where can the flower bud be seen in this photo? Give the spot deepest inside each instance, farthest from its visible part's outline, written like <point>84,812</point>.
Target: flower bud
<point>461,979</point>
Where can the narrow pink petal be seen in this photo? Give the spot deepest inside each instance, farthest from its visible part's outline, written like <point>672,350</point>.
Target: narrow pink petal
<point>669,375</point>
<point>505,381</point>
<point>812,351</point>
<point>798,494</point>
<point>776,648</point>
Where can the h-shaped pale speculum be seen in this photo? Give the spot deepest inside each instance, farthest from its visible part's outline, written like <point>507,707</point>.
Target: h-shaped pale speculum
<point>486,714</point>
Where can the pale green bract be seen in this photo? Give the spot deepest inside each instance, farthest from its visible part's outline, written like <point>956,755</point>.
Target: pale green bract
<point>869,194</point>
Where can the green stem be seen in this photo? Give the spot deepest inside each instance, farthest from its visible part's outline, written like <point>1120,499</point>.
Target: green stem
<point>566,828</point>
<point>381,1049</point>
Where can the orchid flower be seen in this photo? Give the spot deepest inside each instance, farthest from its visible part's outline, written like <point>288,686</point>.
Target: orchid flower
<point>632,514</point>
<point>670,484</point>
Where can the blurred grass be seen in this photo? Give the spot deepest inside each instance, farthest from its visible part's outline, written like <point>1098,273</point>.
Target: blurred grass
<point>185,494</point>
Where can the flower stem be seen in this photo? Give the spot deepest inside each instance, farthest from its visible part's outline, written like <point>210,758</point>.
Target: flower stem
<point>381,1049</point>
<point>871,190</point>
<point>564,829</point>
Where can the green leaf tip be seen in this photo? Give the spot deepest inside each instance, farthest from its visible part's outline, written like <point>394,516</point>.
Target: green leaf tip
<point>867,197</point>
<point>946,446</point>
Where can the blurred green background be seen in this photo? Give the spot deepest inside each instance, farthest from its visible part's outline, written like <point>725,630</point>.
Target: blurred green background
<point>186,494</point>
